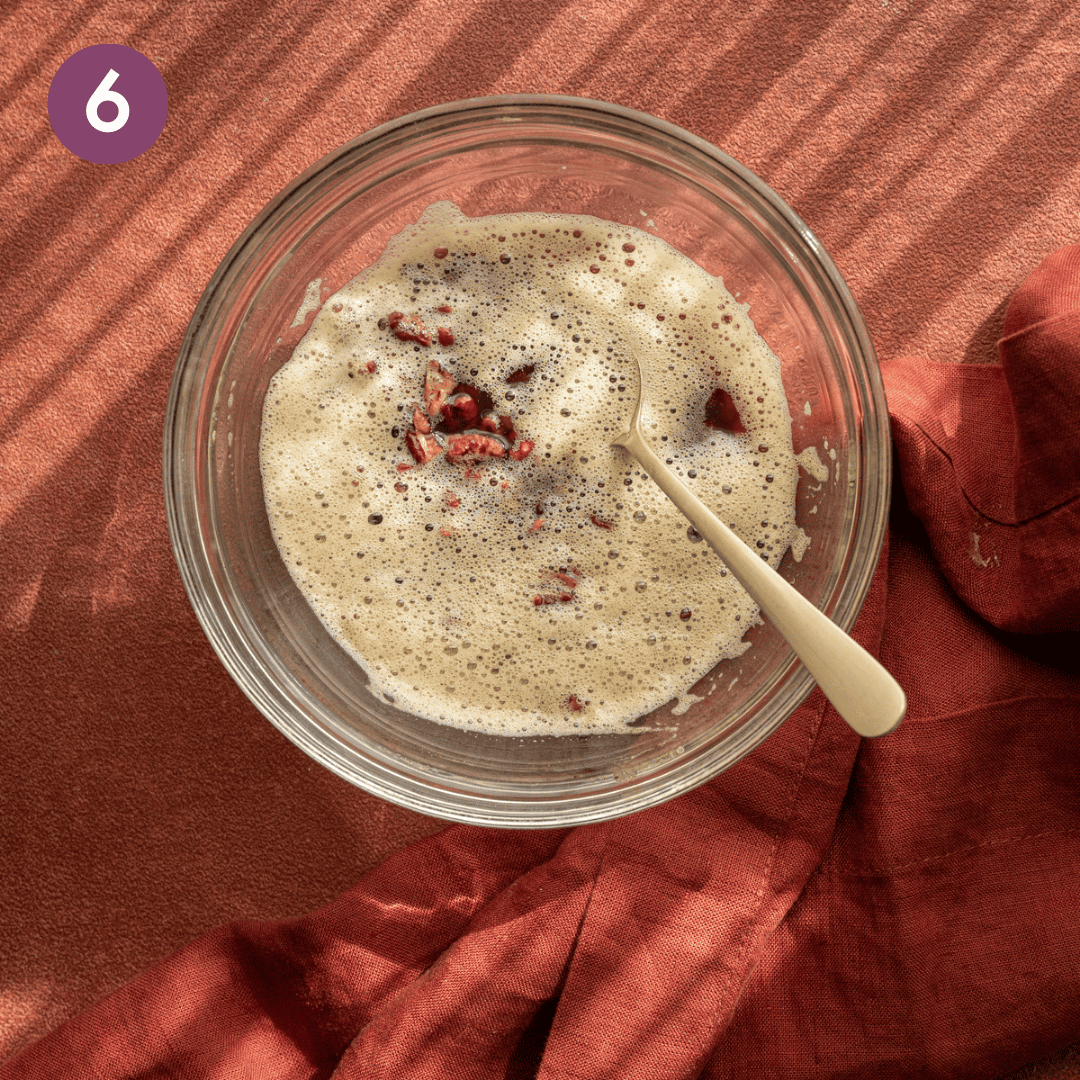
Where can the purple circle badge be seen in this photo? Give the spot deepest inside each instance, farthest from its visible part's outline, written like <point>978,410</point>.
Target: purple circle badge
<point>108,104</point>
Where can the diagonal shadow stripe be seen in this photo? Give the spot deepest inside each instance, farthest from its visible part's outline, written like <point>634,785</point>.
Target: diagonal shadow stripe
<point>740,77</point>
<point>33,67</point>
<point>816,118</point>
<point>186,78</point>
<point>927,93</point>
<point>960,224</point>
<point>76,523</point>
<point>160,268</point>
<point>168,258</point>
<point>440,80</point>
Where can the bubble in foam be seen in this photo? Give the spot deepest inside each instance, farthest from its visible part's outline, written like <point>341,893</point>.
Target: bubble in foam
<point>486,585</point>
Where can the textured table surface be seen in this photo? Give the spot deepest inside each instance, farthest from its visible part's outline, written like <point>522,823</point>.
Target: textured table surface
<point>933,148</point>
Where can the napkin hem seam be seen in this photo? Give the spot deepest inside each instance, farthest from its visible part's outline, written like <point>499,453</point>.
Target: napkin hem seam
<point>966,849</point>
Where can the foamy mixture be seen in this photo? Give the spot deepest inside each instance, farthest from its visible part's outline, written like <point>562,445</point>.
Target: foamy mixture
<point>439,476</point>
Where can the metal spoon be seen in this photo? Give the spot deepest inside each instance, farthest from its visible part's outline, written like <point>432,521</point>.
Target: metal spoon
<point>860,689</point>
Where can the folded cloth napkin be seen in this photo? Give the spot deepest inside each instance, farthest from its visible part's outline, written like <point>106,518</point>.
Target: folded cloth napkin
<point>828,907</point>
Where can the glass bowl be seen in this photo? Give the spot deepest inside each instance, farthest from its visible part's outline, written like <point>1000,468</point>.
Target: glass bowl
<point>494,155</point>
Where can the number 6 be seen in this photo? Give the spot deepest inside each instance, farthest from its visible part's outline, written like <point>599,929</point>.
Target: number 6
<point>103,94</point>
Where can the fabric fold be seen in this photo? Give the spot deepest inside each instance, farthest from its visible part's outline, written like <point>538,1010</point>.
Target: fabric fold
<point>466,1015</point>
<point>289,996</point>
<point>990,460</point>
<point>937,938</point>
<point>691,891</point>
<point>1039,358</point>
<point>828,907</point>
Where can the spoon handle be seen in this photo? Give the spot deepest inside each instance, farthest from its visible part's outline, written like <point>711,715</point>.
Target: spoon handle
<point>860,689</point>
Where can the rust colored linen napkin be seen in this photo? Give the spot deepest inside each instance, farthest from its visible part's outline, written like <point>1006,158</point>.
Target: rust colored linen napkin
<point>829,907</point>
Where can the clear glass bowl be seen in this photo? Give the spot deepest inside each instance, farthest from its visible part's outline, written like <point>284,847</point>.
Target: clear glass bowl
<point>495,155</point>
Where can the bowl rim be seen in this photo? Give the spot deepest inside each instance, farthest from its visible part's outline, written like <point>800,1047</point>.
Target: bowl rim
<point>384,778</point>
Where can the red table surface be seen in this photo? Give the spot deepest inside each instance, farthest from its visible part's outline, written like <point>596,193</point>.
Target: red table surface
<point>933,148</point>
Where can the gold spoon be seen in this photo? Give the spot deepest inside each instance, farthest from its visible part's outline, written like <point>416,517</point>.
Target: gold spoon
<point>860,689</point>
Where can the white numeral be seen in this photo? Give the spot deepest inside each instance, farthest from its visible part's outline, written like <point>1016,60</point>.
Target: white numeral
<point>103,94</point>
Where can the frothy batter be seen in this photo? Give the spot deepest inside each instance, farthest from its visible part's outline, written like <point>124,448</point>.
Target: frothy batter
<point>439,478</point>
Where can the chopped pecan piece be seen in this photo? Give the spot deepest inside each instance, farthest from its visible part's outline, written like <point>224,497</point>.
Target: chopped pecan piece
<point>409,328</point>
<point>438,386</point>
<point>522,374</point>
<point>722,413</point>
<point>422,447</point>
<point>460,410</point>
<point>473,444</point>
<point>566,579</point>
